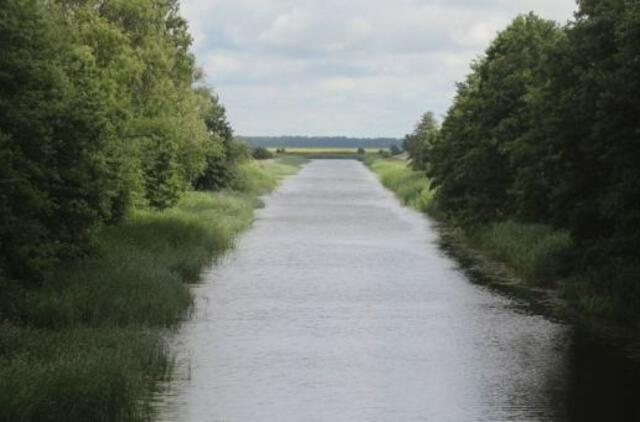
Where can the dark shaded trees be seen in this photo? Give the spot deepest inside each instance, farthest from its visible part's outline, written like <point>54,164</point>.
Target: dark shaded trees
<point>97,114</point>
<point>586,142</point>
<point>545,130</point>
<point>476,158</point>
<point>54,135</point>
<point>222,152</point>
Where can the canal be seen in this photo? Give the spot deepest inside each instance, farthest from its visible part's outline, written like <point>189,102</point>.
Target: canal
<point>339,305</point>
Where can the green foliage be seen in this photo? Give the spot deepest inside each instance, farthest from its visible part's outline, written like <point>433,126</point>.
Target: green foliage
<point>257,178</point>
<point>534,251</point>
<point>473,163</point>
<point>586,141</point>
<point>411,186</point>
<point>261,153</point>
<point>77,375</point>
<point>419,143</point>
<point>101,135</point>
<point>223,152</point>
<point>86,345</point>
<point>97,114</point>
<point>53,138</point>
<point>545,130</point>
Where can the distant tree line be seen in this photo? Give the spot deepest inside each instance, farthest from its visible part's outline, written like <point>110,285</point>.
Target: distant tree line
<point>100,111</point>
<point>320,142</point>
<point>546,129</point>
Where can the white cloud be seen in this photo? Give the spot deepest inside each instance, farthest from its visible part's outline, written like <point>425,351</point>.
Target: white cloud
<point>351,67</point>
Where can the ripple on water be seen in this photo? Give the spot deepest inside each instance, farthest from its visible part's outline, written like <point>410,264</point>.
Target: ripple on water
<point>338,305</point>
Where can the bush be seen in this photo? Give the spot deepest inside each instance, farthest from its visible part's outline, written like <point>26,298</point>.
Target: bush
<point>261,153</point>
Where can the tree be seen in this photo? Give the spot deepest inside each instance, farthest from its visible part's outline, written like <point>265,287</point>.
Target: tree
<point>261,153</point>
<point>97,114</point>
<point>587,143</point>
<point>477,153</point>
<point>421,140</point>
<point>222,153</point>
<point>54,138</point>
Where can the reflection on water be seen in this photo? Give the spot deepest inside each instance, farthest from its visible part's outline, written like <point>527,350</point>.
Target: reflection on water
<point>339,305</point>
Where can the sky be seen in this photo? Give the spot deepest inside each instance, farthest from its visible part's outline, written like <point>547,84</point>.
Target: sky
<point>362,68</point>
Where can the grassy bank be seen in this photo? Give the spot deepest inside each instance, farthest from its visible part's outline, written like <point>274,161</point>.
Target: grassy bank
<point>532,251</point>
<point>411,187</point>
<point>537,254</point>
<point>88,345</point>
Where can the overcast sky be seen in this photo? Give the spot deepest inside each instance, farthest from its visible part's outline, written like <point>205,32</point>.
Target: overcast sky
<point>344,67</point>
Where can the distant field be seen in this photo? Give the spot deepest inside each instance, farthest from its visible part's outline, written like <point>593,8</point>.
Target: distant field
<point>314,150</point>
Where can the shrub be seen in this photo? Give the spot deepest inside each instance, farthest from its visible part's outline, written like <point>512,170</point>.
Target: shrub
<point>261,153</point>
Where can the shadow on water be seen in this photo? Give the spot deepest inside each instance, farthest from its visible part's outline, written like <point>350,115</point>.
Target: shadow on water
<point>602,361</point>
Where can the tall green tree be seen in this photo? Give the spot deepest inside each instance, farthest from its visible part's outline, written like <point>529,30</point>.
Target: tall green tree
<point>476,168</point>
<point>419,143</point>
<point>97,113</point>
<point>223,152</point>
<point>54,135</point>
<point>588,133</point>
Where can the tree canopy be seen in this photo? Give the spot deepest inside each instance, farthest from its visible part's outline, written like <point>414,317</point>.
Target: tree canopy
<point>545,129</point>
<point>100,110</point>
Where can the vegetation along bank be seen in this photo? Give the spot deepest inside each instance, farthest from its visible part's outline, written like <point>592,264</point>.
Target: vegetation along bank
<point>121,179</point>
<point>88,344</point>
<point>536,161</point>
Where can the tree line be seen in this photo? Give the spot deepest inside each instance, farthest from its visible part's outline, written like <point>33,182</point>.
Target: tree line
<point>320,142</point>
<point>102,109</point>
<point>546,129</point>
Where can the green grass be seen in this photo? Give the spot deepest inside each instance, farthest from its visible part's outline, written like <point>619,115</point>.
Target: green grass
<point>537,254</point>
<point>79,374</point>
<point>533,251</point>
<point>611,290</point>
<point>411,187</point>
<point>88,344</point>
<point>262,176</point>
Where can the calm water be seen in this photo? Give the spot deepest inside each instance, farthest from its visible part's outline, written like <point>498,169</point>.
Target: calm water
<point>339,305</point>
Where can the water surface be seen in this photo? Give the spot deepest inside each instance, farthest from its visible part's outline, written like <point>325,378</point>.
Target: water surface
<point>339,305</point>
